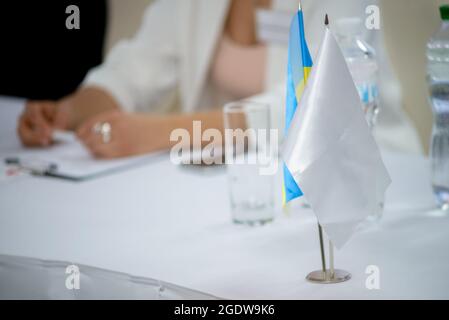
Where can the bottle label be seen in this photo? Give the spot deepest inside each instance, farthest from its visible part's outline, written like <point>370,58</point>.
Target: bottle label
<point>368,92</point>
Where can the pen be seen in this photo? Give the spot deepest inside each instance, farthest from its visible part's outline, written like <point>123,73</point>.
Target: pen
<point>35,167</point>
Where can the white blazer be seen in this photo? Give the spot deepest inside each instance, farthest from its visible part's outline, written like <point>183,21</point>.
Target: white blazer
<point>167,63</point>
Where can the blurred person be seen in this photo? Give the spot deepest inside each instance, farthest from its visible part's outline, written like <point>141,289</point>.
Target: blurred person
<point>40,57</point>
<point>189,58</point>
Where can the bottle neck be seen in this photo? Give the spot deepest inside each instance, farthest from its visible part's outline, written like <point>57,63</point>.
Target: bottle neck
<point>354,46</point>
<point>349,41</point>
<point>351,37</point>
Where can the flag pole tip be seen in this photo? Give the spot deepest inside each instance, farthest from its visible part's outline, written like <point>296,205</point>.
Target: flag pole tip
<point>299,5</point>
<point>326,20</point>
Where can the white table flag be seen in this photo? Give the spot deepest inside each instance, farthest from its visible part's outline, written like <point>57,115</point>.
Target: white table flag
<point>330,150</point>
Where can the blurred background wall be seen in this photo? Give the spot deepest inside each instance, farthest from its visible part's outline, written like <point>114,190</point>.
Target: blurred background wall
<point>124,19</point>
<point>408,26</point>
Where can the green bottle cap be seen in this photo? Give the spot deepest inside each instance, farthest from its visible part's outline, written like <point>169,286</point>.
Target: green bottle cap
<point>444,12</point>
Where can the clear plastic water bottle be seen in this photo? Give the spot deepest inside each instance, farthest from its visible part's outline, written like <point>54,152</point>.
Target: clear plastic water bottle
<point>438,81</point>
<point>362,63</point>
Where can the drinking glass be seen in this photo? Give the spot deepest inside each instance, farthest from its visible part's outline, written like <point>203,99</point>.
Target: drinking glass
<point>250,161</point>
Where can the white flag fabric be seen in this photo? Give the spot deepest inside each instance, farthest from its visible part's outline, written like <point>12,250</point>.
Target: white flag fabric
<point>330,150</point>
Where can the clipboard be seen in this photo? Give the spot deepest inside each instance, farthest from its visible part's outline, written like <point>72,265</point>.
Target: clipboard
<point>70,160</point>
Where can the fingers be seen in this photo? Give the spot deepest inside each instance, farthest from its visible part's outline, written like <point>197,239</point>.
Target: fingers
<point>39,115</point>
<point>102,150</point>
<point>94,140</point>
<point>47,110</point>
<point>98,148</point>
<point>87,126</point>
<point>28,135</point>
<point>34,127</point>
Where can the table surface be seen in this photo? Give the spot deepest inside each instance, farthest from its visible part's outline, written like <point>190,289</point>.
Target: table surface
<point>173,224</point>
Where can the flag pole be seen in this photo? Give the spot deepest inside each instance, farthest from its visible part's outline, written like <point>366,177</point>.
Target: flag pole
<point>331,245</point>
<point>332,275</point>
<point>325,276</point>
<point>331,260</point>
<point>304,203</point>
<point>323,254</point>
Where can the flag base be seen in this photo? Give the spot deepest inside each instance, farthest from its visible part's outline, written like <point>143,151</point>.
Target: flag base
<point>327,278</point>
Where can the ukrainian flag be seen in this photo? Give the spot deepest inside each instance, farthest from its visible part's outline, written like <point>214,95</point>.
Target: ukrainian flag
<point>298,70</point>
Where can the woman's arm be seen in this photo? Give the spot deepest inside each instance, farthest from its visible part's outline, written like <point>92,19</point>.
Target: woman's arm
<point>133,134</point>
<point>83,104</point>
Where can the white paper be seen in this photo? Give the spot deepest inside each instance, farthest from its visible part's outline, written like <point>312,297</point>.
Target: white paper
<point>73,160</point>
<point>63,136</point>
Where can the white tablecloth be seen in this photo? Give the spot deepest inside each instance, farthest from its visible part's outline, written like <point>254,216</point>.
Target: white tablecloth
<point>173,224</point>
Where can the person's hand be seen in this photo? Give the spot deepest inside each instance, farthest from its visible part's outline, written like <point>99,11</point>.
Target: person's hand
<point>125,134</point>
<point>39,119</point>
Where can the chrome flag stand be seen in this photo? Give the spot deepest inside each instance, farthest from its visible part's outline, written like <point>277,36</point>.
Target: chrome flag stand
<point>325,275</point>
<point>332,155</point>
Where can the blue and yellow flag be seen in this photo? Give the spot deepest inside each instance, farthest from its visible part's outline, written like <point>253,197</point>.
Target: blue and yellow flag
<point>298,70</point>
